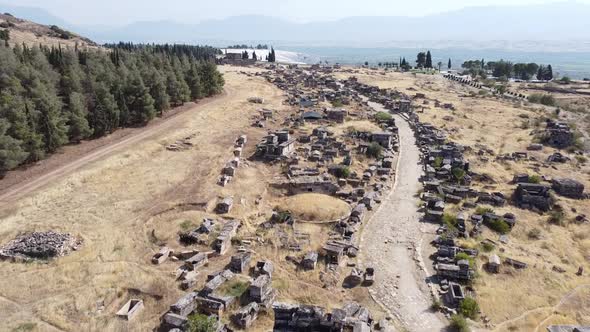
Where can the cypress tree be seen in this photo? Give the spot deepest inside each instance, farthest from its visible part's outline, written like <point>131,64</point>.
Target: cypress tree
<point>428,63</point>
<point>549,73</point>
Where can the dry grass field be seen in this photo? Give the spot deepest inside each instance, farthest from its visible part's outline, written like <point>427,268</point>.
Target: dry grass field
<point>315,207</point>
<point>136,199</point>
<point>116,204</point>
<point>33,34</point>
<point>515,300</point>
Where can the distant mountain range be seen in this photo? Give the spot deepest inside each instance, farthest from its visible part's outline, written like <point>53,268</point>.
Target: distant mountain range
<point>560,21</point>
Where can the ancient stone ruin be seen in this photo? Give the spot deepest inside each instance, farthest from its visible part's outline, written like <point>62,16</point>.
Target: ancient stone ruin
<point>40,245</point>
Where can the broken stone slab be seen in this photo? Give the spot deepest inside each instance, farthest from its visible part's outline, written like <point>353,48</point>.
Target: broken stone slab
<point>131,309</point>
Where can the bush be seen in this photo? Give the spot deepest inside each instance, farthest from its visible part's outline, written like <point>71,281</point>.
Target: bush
<point>337,103</point>
<point>5,35</point>
<point>234,288</point>
<point>458,173</point>
<point>487,247</point>
<point>534,179</point>
<point>201,323</point>
<point>499,226</point>
<point>534,234</point>
<point>383,117</point>
<point>481,210</point>
<point>436,305</point>
<point>438,162</point>
<point>463,256</point>
<point>450,221</point>
<point>342,172</point>
<point>469,308</point>
<point>544,99</point>
<point>556,217</point>
<point>459,324</point>
<point>63,34</point>
<point>186,225</point>
<point>375,150</point>
<point>565,80</point>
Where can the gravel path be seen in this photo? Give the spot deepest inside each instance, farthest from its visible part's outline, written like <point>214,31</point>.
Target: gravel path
<point>391,242</point>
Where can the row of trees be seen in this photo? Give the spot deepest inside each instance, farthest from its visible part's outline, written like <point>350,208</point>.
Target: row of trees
<point>423,60</point>
<point>241,46</point>
<point>507,69</point>
<point>50,97</point>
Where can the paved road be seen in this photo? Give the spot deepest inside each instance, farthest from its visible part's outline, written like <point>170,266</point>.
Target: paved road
<point>391,242</point>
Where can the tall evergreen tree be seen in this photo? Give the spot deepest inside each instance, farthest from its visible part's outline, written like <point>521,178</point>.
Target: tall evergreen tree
<point>104,113</point>
<point>78,127</point>
<point>272,55</point>
<point>549,74</point>
<point>140,103</point>
<point>211,79</point>
<point>12,153</point>
<point>428,62</point>
<point>449,65</point>
<point>193,80</point>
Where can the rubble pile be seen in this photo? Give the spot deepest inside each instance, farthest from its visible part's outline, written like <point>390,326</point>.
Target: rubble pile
<point>40,245</point>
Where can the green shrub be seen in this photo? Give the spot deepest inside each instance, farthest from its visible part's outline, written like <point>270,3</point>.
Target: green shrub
<point>458,173</point>
<point>438,162</point>
<point>436,305</point>
<point>25,327</point>
<point>5,35</point>
<point>375,150</point>
<point>581,159</point>
<point>534,179</point>
<point>186,225</point>
<point>469,307</point>
<point>459,324</point>
<point>337,103</point>
<point>499,226</point>
<point>201,323</point>
<point>463,256</point>
<point>342,172</point>
<point>556,217</point>
<point>234,288</point>
<point>450,221</point>
<point>544,99</point>
<point>383,117</point>
<point>487,247</point>
<point>481,210</point>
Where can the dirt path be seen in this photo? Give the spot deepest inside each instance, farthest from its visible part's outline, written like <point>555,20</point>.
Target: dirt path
<point>27,186</point>
<point>391,242</point>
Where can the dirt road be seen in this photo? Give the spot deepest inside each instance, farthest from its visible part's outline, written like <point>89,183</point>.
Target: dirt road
<point>27,186</point>
<point>391,243</point>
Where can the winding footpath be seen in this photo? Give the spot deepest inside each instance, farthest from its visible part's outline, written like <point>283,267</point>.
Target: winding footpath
<point>391,242</point>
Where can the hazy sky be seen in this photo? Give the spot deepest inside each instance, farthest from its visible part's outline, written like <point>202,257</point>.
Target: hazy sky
<point>118,12</point>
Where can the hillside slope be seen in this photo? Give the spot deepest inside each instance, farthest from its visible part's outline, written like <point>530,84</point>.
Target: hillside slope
<point>30,33</point>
